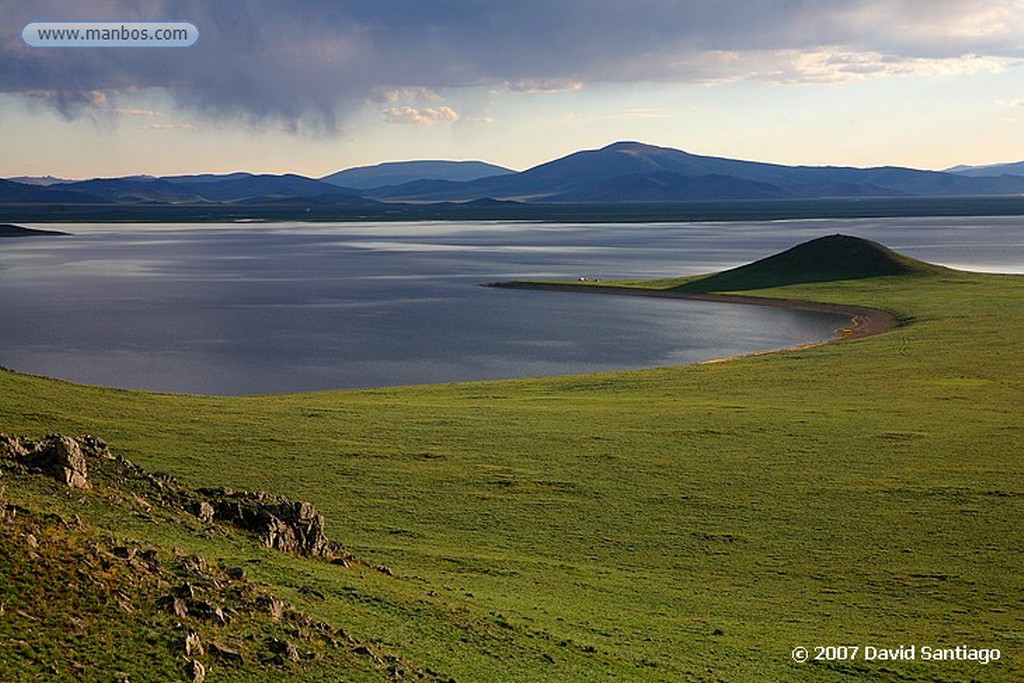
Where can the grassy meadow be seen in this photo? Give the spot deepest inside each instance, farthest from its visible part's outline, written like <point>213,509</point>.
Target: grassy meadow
<point>673,524</point>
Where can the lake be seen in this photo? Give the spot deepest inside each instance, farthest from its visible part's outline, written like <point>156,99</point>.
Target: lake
<point>266,308</point>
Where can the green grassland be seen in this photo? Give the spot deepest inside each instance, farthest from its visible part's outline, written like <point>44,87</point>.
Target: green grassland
<point>673,524</point>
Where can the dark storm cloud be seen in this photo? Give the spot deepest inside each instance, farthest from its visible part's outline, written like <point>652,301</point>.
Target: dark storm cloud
<point>307,63</point>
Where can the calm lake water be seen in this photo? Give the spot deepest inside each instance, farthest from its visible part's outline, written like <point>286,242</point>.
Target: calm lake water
<point>255,308</point>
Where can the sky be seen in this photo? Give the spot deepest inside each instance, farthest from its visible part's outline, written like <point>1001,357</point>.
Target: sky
<point>315,86</point>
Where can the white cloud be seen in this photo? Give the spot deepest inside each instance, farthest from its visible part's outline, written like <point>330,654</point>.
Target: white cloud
<point>543,85</point>
<point>169,126</point>
<point>422,93</point>
<point>965,23</point>
<point>828,64</point>
<point>135,112</point>
<point>426,116</point>
<point>393,95</point>
<point>835,65</point>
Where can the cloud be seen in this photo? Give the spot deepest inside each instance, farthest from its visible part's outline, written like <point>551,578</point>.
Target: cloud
<point>544,85</point>
<point>70,103</point>
<point>841,65</point>
<point>421,117</point>
<point>392,95</point>
<point>169,126</point>
<point>122,111</point>
<point>309,64</point>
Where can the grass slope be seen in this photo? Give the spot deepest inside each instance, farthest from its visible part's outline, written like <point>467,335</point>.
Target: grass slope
<point>690,523</point>
<point>83,601</point>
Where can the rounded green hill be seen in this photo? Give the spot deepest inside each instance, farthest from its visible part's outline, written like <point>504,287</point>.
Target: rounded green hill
<point>825,259</point>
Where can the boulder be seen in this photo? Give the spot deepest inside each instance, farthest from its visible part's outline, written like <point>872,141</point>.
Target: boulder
<point>203,510</point>
<point>62,457</point>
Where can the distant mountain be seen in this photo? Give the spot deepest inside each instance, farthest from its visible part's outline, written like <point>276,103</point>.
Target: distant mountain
<point>664,186</point>
<point>400,172</point>
<point>632,172</point>
<point>42,181</point>
<point>621,173</point>
<point>19,193</point>
<point>990,171</point>
<point>204,178</point>
<point>234,187</point>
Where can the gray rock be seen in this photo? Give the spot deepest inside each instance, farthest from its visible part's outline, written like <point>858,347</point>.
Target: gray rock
<point>61,457</point>
<point>193,645</point>
<point>204,511</point>
<point>94,447</point>
<point>291,526</point>
<point>14,446</point>
<point>273,606</point>
<point>195,672</point>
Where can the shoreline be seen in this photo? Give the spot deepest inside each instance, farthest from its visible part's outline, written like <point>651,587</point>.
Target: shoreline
<point>864,322</point>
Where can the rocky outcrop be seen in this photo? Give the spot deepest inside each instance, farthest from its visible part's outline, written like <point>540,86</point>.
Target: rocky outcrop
<point>281,523</point>
<point>247,631</point>
<point>12,446</point>
<point>61,457</point>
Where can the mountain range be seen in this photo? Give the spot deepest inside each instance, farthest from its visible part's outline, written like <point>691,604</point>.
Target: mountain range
<point>401,172</point>
<point>623,172</point>
<point>990,171</point>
